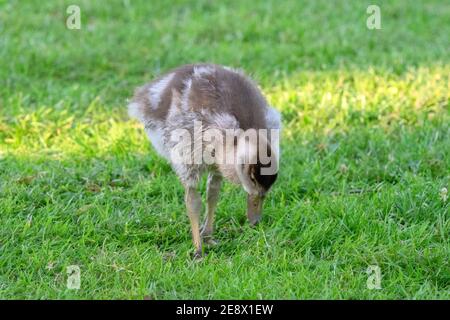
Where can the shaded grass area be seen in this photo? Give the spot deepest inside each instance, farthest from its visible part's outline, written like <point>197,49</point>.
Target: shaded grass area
<point>365,151</point>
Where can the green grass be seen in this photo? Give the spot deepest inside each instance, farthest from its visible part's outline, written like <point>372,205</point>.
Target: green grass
<point>366,151</point>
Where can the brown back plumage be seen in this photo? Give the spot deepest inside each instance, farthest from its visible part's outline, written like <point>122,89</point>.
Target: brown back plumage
<point>220,90</point>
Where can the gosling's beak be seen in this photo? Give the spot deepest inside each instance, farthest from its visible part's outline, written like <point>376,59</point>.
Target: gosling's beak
<point>254,208</point>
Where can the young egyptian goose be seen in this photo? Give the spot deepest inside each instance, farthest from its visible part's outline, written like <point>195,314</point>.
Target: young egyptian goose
<point>202,109</point>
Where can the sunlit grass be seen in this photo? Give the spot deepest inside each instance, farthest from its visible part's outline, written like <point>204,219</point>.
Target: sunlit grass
<point>312,103</point>
<point>365,152</point>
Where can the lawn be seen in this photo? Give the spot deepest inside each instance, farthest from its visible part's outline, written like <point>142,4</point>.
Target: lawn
<point>365,151</point>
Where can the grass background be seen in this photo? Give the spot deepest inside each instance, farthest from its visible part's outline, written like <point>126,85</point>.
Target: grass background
<point>365,147</point>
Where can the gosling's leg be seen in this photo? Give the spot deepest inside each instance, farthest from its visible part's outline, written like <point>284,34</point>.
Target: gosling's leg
<point>194,207</point>
<point>212,195</point>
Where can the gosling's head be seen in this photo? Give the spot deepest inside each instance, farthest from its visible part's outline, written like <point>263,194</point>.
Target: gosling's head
<point>255,169</point>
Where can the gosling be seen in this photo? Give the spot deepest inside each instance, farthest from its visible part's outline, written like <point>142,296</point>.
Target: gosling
<point>210,118</point>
